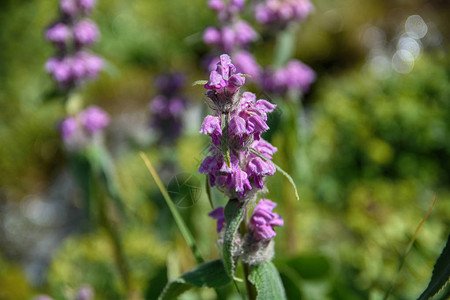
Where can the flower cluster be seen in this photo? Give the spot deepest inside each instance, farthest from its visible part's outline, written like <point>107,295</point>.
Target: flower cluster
<point>236,128</point>
<point>263,220</point>
<point>168,106</point>
<point>71,34</point>
<point>226,10</point>
<point>235,35</point>
<point>281,12</point>
<point>256,246</point>
<point>78,131</point>
<point>295,75</point>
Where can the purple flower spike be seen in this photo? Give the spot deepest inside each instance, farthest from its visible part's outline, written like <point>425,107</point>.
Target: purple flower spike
<point>218,215</point>
<point>244,171</point>
<point>263,220</point>
<point>94,119</point>
<point>85,32</point>
<point>73,65</point>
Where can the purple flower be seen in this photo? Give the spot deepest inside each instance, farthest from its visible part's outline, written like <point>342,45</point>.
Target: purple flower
<point>218,215</point>
<point>223,84</point>
<point>246,64</point>
<point>246,121</point>
<point>94,119</point>
<point>231,36</point>
<point>244,33</point>
<point>73,65</point>
<point>69,8</point>
<point>58,33</point>
<point>167,108</point>
<point>212,126</point>
<point>68,127</point>
<point>86,5</point>
<point>60,69</point>
<point>282,12</point>
<point>294,76</point>
<point>263,220</point>
<point>170,84</point>
<point>85,32</point>
<point>226,9</point>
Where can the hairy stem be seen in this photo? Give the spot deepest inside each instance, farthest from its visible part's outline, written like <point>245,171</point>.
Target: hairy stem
<point>250,288</point>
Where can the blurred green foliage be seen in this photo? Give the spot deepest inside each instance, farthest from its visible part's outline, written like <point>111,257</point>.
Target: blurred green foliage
<point>375,153</point>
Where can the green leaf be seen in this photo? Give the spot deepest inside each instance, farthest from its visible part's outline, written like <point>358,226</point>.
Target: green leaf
<point>267,281</point>
<point>279,169</point>
<point>441,274</point>
<point>200,82</point>
<point>234,214</point>
<point>211,274</point>
<point>176,215</point>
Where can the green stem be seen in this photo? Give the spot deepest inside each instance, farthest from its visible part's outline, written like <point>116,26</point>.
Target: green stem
<point>119,254</point>
<point>250,288</point>
<point>285,46</point>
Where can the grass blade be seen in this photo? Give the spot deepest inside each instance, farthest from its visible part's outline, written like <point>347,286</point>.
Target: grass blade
<point>176,215</point>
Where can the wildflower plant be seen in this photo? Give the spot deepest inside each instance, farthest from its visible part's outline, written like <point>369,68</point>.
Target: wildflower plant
<point>72,34</point>
<point>238,164</point>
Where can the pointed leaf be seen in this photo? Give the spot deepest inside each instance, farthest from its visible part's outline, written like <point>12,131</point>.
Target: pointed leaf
<point>267,281</point>
<point>234,214</point>
<point>211,274</point>
<point>200,82</point>
<point>441,274</point>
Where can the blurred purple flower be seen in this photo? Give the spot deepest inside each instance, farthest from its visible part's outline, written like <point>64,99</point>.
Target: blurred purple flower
<point>58,33</point>
<point>236,35</point>
<point>281,12</point>
<point>85,32</point>
<point>218,215</point>
<point>86,5</point>
<point>73,65</point>
<point>294,76</point>
<point>263,220</point>
<point>94,119</point>
<point>68,127</point>
<point>167,108</point>
<point>246,64</point>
